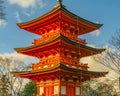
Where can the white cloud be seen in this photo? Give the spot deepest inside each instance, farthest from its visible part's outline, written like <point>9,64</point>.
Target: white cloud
<point>41,3</point>
<point>18,17</point>
<point>27,3</point>
<point>95,33</point>
<point>94,66</point>
<point>91,45</point>
<point>20,57</point>
<point>3,23</point>
<point>23,3</point>
<point>28,13</point>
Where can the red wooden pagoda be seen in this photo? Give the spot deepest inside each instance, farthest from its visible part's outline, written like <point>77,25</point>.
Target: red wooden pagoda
<point>59,72</point>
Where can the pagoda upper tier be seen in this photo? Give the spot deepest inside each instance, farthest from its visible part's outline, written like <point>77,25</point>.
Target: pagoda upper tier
<point>59,18</point>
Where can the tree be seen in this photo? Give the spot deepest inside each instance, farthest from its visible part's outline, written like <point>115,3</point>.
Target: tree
<point>96,88</point>
<point>111,57</point>
<point>4,91</point>
<point>88,90</point>
<point>2,14</point>
<point>10,84</point>
<point>29,89</point>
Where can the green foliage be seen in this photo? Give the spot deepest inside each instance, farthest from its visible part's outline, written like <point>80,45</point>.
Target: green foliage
<point>30,89</point>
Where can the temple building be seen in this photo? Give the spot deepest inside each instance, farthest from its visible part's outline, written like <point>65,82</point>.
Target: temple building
<point>59,71</point>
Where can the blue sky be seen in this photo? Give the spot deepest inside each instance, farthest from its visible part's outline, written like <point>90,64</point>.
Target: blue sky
<point>105,12</point>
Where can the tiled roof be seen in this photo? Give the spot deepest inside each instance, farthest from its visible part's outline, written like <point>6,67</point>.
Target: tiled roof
<point>61,67</point>
<point>59,8</point>
<point>59,37</point>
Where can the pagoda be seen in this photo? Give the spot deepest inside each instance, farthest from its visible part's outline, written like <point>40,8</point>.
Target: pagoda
<point>59,71</point>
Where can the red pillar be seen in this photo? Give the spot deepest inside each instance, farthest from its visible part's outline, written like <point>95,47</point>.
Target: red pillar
<point>38,89</point>
<point>81,94</point>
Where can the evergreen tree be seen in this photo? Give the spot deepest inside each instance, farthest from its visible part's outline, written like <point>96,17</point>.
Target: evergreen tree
<point>29,89</point>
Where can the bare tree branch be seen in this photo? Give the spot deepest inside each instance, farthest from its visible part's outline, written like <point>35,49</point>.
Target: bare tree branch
<point>14,84</point>
<point>111,58</point>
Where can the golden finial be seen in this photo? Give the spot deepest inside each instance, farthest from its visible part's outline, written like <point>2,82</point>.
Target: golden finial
<point>59,2</point>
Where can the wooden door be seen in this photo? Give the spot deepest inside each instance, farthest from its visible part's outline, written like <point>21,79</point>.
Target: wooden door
<point>48,91</point>
<point>71,91</point>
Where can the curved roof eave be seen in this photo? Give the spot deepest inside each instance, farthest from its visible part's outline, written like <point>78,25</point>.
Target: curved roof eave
<point>61,37</point>
<point>64,10</point>
<point>61,66</point>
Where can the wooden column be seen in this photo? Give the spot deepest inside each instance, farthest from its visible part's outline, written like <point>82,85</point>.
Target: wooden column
<point>38,89</point>
<point>52,88</point>
<point>67,89</point>
<point>43,84</point>
<point>74,88</point>
<point>59,94</point>
<point>81,94</point>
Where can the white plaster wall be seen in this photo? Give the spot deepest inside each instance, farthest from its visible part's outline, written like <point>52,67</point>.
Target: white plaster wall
<point>41,90</point>
<point>77,90</point>
<point>56,89</point>
<point>63,89</point>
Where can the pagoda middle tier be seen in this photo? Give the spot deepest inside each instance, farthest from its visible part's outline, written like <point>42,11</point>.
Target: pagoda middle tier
<point>59,49</point>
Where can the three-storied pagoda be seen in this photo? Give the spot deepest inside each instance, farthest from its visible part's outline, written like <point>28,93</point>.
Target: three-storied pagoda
<point>59,72</point>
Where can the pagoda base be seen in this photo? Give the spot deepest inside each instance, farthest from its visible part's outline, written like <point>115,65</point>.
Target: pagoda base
<point>59,80</point>
<point>58,87</point>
